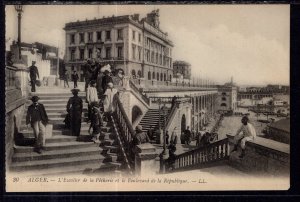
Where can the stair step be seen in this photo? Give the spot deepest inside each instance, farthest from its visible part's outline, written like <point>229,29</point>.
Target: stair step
<point>56,154</point>
<point>55,146</point>
<point>88,168</point>
<point>58,162</point>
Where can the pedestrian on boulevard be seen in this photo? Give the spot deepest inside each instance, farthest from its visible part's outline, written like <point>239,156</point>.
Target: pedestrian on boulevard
<point>167,137</point>
<point>173,140</point>
<point>34,74</point>
<point>65,78</point>
<point>91,97</point>
<point>245,133</point>
<point>187,136</point>
<point>96,123</point>
<point>75,78</point>
<point>37,117</point>
<point>74,109</point>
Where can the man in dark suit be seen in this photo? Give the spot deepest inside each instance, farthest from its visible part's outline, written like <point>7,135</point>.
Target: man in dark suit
<point>75,78</point>
<point>33,73</point>
<point>37,117</point>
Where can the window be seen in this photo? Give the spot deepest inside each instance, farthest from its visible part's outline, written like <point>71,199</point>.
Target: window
<point>99,36</point>
<point>81,54</point>
<point>140,37</point>
<point>90,53</point>
<point>223,98</point>
<point>81,38</point>
<point>140,53</point>
<point>140,74</point>
<point>170,77</point>
<point>107,35</point>
<point>224,94</point>
<point>223,105</point>
<point>98,50</point>
<point>72,54</point>
<point>120,34</point>
<point>133,74</point>
<point>133,51</point>
<point>152,56</point>
<point>165,77</point>
<point>148,56</point>
<point>133,35</point>
<point>72,38</point>
<point>120,52</point>
<point>108,50</point>
<point>153,75</point>
<point>157,76</point>
<point>161,76</point>
<point>90,36</point>
<point>156,61</point>
<point>149,75</point>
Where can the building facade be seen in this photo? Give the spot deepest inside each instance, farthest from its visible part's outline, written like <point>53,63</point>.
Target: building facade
<point>137,46</point>
<point>182,69</point>
<point>227,98</point>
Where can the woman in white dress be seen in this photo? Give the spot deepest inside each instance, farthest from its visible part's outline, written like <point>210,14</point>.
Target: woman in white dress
<point>109,98</point>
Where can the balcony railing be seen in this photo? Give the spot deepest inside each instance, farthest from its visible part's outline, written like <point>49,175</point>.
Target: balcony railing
<point>151,85</point>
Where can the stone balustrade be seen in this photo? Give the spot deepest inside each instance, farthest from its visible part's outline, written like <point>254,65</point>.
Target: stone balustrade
<point>263,156</point>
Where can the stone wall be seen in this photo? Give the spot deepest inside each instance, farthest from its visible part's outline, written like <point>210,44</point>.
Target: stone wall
<point>264,157</point>
<point>16,83</point>
<point>129,100</point>
<point>12,127</point>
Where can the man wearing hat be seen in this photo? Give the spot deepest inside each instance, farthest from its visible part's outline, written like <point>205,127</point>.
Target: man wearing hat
<point>245,133</point>
<point>37,117</point>
<point>140,137</point>
<point>74,108</point>
<point>33,73</point>
<point>75,78</point>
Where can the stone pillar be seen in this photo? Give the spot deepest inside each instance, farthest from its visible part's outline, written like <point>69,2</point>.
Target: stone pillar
<point>145,163</point>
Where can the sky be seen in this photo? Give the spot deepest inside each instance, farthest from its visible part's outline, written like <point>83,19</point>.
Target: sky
<point>247,42</point>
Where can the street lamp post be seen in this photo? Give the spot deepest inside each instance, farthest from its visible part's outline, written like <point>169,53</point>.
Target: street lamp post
<point>163,155</point>
<point>19,9</point>
<point>164,132</point>
<point>159,102</point>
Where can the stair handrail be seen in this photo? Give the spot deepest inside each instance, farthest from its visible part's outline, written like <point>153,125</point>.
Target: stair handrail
<point>201,156</point>
<point>128,164</point>
<point>135,89</point>
<point>171,115</point>
<point>126,132</point>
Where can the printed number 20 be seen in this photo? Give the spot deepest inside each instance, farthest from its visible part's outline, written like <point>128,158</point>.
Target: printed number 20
<point>15,179</point>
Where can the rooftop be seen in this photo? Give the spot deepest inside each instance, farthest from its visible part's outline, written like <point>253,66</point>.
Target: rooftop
<point>283,124</point>
<point>180,62</point>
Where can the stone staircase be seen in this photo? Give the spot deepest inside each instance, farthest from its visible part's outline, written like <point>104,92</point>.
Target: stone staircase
<point>65,154</point>
<point>151,118</point>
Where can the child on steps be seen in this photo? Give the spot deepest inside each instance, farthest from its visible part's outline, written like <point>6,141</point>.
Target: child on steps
<point>96,122</point>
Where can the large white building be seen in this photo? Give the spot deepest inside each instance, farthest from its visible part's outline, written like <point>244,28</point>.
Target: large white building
<point>137,46</point>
